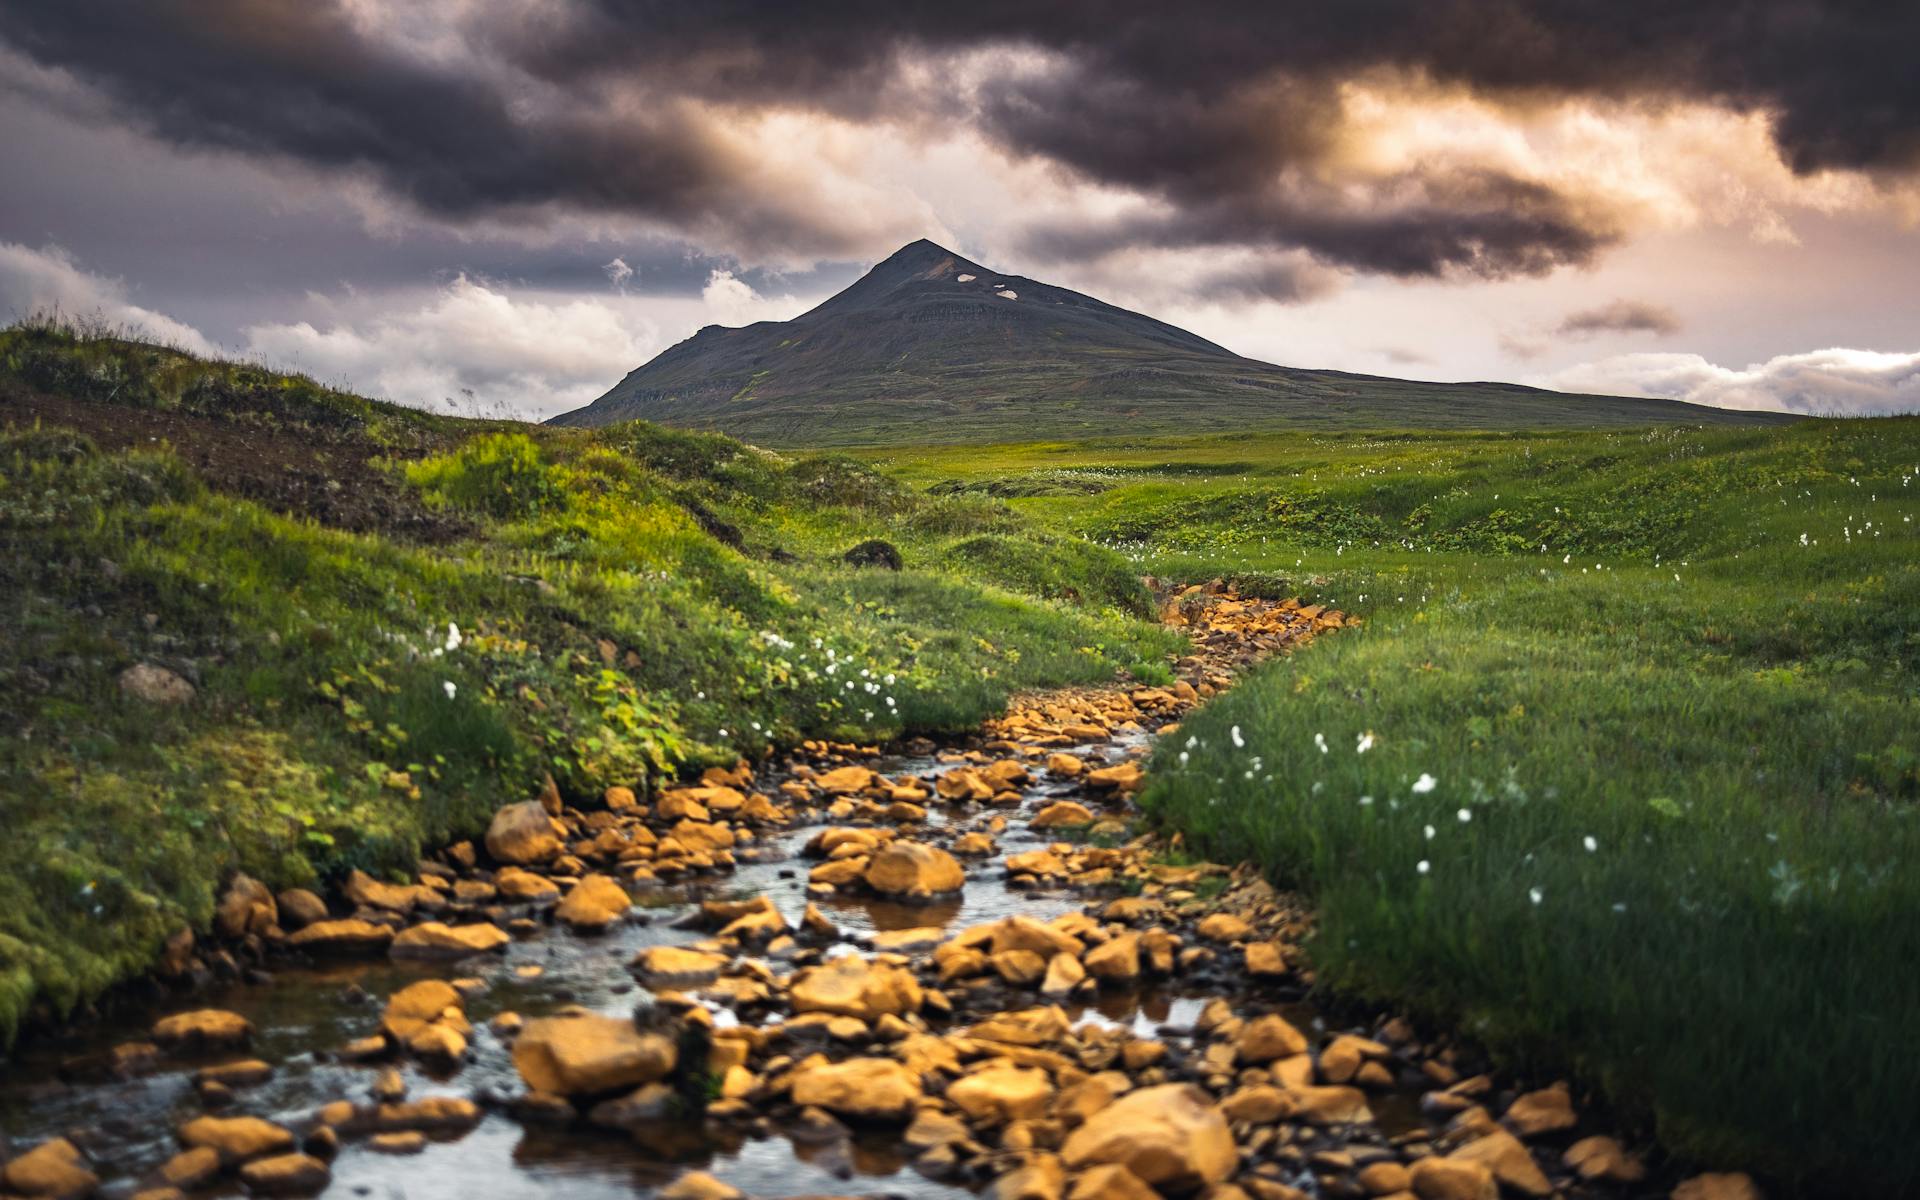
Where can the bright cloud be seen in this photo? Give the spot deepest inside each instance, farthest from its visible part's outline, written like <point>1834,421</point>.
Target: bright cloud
<point>524,356</point>
<point>48,279</point>
<point>730,300</point>
<point>1834,382</point>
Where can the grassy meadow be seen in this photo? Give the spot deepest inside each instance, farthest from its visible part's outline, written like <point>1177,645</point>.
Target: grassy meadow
<point>394,623</point>
<point>1621,773</point>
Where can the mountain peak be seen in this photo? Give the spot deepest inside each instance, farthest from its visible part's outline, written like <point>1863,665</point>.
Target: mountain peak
<point>919,259</point>
<point>930,346</point>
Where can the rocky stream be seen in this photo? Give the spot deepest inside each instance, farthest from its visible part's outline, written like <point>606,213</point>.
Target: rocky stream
<point>918,971</point>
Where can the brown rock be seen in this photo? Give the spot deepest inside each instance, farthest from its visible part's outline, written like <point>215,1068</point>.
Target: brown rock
<point>574,1054</point>
<point>1449,1179</point>
<point>677,966</point>
<point>1604,1158</point>
<point>1025,933</point>
<point>237,1139</point>
<point>1332,1105</point>
<point>1385,1178</point>
<point>431,939</point>
<point>154,685</point>
<point>1066,766</point>
<point>244,1073</point>
<point>1266,1038</point>
<point>913,871</point>
<point>348,935</point>
<point>1259,1105</point>
<point>411,1141</point>
<point>190,1168</point>
<point>54,1168</point>
<point>1062,814</point>
<point>1110,1182</point>
<point>698,1185</point>
<point>368,892</point>
<point>1127,777</point>
<point>1342,1058</point>
<point>1264,960</point>
<point>1548,1110</point>
<point>417,1006</point>
<point>1001,1093</point>
<point>245,907</point>
<point>1223,927</point>
<point>523,834</point>
<point>845,781</point>
<point>1509,1160</point>
<point>300,908</point>
<point>1039,1178</point>
<point>869,1088</point>
<point>1021,968</point>
<point>1718,1186</point>
<point>522,886</point>
<point>1169,1136</point>
<point>203,1027</point>
<point>286,1175</point>
<point>1064,974</point>
<point>853,987</point>
<point>593,904</point>
<point>1116,960</point>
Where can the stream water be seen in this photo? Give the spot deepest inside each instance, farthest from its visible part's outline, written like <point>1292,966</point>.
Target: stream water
<point>64,1085</point>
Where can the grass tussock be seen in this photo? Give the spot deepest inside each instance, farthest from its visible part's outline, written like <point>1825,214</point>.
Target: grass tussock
<point>1622,773</point>
<point>374,676</point>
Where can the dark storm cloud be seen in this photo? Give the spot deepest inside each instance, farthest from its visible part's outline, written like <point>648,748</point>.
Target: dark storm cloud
<point>1621,316</point>
<point>1218,116</point>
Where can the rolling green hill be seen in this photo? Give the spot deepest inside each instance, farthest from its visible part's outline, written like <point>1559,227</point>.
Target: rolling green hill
<point>929,347</point>
<point>247,621</point>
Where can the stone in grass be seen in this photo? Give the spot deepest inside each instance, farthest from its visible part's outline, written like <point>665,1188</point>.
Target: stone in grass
<point>154,685</point>
<point>874,552</point>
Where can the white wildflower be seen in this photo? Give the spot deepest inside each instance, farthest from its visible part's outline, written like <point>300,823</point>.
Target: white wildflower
<point>1423,866</point>
<point>1424,784</point>
<point>1239,743</point>
<point>1465,815</point>
<point>453,637</point>
<point>450,689</point>
<point>1591,843</point>
<point>1364,744</point>
<point>1536,895</point>
<point>1320,740</point>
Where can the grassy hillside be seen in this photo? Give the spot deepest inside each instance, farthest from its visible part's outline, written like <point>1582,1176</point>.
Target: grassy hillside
<point>392,623</point>
<point>929,347</point>
<point>1640,789</point>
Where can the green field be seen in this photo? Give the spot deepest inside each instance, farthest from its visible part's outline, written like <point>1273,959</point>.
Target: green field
<point>395,623</point>
<point>1642,797</point>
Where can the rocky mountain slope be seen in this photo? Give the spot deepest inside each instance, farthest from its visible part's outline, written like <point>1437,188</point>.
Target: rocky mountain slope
<point>932,347</point>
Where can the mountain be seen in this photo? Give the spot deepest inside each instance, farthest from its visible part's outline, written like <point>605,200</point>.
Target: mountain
<point>932,347</point>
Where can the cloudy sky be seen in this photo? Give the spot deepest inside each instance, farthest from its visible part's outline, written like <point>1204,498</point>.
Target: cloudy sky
<point>506,206</point>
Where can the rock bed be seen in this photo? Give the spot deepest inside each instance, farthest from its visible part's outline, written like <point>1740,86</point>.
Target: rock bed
<point>990,982</point>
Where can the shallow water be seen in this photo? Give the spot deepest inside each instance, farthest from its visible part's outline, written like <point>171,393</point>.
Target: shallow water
<point>55,1085</point>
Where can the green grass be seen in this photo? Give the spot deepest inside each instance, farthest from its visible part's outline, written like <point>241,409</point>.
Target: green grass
<point>1731,713</point>
<point>607,606</point>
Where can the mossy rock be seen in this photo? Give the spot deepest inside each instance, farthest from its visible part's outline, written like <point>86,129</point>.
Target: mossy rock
<point>874,552</point>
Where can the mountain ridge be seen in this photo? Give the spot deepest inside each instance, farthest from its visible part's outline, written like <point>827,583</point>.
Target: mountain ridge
<point>930,346</point>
